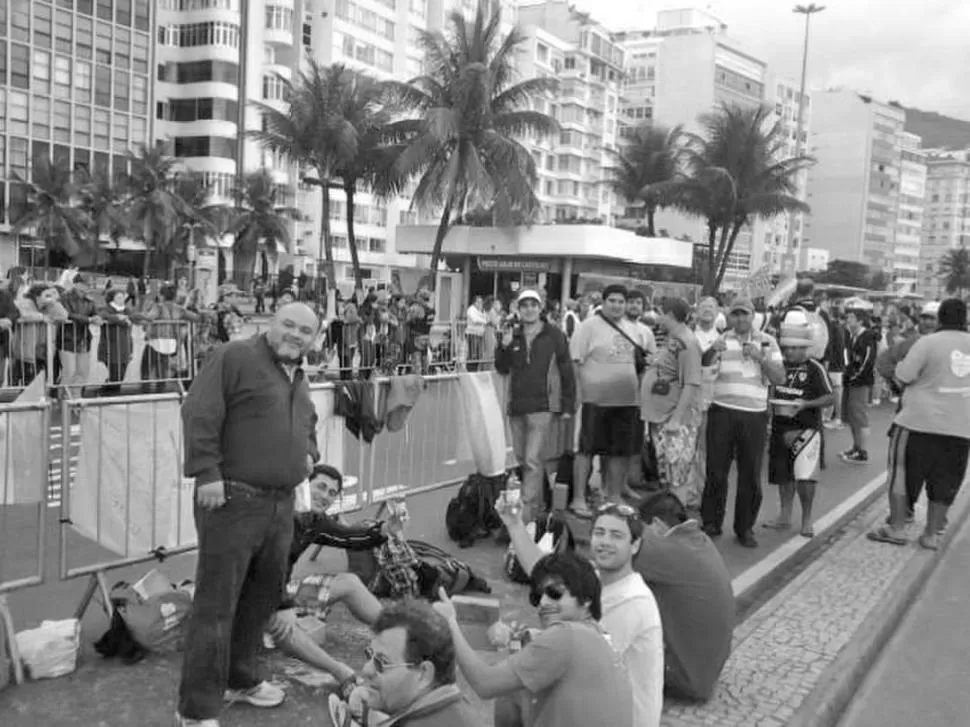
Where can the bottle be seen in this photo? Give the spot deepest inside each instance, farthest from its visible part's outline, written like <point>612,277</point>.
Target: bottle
<point>513,491</point>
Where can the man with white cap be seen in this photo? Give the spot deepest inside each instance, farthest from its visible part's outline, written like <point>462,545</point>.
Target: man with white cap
<point>796,439</point>
<point>535,356</point>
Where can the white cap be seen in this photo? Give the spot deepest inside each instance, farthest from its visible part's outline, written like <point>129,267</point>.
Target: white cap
<point>931,309</point>
<point>529,295</point>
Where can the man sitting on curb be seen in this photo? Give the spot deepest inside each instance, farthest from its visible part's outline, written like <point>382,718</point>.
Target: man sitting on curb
<point>313,596</point>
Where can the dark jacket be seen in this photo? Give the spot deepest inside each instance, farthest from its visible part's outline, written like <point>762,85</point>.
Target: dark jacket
<point>442,707</point>
<point>244,420</point>
<point>835,355</point>
<point>541,378</point>
<point>115,346</point>
<point>861,368</point>
<point>76,334</point>
<point>10,311</point>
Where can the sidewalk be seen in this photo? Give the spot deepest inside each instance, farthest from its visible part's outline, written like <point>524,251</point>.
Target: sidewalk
<point>922,675</point>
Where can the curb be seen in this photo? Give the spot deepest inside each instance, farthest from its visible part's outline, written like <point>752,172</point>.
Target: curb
<point>832,695</point>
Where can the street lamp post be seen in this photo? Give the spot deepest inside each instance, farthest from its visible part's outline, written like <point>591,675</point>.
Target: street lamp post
<point>808,11</point>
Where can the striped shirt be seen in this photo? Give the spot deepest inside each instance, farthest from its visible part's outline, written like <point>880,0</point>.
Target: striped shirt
<point>740,382</point>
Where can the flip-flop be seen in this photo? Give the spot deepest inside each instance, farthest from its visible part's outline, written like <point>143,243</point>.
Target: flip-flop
<point>930,542</point>
<point>882,534</point>
<point>581,511</point>
<point>776,525</point>
<point>808,532</point>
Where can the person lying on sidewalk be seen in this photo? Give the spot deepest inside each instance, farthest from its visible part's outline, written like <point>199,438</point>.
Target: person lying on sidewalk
<point>796,436</point>
<point>574,672</point>
<point>308,600</point>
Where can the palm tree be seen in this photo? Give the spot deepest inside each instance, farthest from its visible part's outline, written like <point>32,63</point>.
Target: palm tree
<point>154,208</point>
<point>52,211</point>
<point>955,269</point>
<point>314,132</point>
<point>259,221</point>
<point>466,143</point>
<point>646,169</point>
<point>737,172</point>
<point>103,202</point>
<point>202,219</point>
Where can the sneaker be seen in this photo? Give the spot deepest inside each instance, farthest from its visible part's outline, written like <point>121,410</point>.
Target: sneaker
<point>747,540</point>
<point>857,457</point>
<point>263,695</point>
<point>834,424</point>
<point>181,721</point>
<point>847,453</point>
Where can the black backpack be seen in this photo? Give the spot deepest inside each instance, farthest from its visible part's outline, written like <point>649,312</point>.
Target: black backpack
<point>438,569</point>
<point>562,538</point>
<point>471,513</point>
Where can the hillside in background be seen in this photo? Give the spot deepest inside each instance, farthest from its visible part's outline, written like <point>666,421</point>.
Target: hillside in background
<point>937,130</point>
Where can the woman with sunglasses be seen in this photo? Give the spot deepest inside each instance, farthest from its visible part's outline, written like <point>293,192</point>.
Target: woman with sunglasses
<point>570,672</point>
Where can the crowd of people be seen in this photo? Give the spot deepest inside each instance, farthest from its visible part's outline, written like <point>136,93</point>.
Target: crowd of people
<point>661,402</point>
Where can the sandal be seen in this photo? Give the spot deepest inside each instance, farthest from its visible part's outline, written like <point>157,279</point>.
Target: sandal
<point>884,534</point>
<point>777,525</point>
<point>580,510</point>
<point>930,542</point>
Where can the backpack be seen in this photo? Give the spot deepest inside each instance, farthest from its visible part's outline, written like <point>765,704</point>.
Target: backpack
<point>562,540</point>
<point>471,513</point>
<point>437,568</point>
<point>820,331</point>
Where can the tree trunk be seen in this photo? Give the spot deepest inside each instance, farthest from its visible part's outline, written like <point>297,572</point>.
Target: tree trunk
<point>731,239</point>
<point>709,288</point>
<point>651,212</point>
<point>326,242</point>
<point>147,235</point>
<point>439,241</point>
<point>349,191</point>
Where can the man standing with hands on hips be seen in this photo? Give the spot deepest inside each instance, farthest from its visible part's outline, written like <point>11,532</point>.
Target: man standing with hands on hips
<point>249,427</point>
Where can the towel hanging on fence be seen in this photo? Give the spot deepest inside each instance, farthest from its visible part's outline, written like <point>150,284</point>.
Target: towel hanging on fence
<point>357,402</point>
<point>21,432</point>
<point>403,394</point>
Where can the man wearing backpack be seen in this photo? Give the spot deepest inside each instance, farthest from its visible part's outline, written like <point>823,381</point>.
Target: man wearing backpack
<point>535,356</point>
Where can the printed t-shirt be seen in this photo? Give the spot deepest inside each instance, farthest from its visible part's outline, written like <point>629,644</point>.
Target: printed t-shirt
<point>607,373</point>
<point>679,364</point>
<point>936,373</point>
<point>575,676</point>
<point>803,382</point>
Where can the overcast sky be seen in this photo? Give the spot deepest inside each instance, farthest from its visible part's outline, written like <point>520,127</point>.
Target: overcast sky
<point>916,52</point>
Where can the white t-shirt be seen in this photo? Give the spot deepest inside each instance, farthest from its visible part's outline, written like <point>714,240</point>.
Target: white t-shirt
<point>632,619</point>
<point>607,373</point>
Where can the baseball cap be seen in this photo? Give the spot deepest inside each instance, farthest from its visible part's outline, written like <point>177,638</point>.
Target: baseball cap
<point>795,335</point>
<point>742,304</point>
<point>528,295</point>
<point>931,310</point>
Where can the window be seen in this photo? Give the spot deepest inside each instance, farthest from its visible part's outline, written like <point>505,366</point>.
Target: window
<point>85,7</point>
<point>385,60</point>
<point>139,130</point>
<point>205,146</point>
<point>542,53</point>
<point>122,48</point>
<point>84,42</point>
<point>42,72</point>
<point>121,90</point>
<point>418,7</point>
<point>278,18</point>
<point>17,112</point>
<point>102,51</point>
<point>20,21</point>
<point>273,88</point>
<point>102,128</point>
<point>18,157</point>
<point>3,63</point>
<point>123,12</point>
<point>105,10</point>
<point>102,86</point>
<point>307,35</point>
<point>82,125</point>
<point>120,133</point>
<point>64,32</point>
<point>140,53</point>
<point>142,14</point>
<point>62,122</point>
<point>19,66</point>
<point>82,82</point>
<point>3,119</point>
<point>139,94</point>
<point>42,24</point>
<point>41,117</point>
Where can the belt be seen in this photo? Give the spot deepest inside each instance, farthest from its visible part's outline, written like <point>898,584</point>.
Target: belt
<point>272,493</point>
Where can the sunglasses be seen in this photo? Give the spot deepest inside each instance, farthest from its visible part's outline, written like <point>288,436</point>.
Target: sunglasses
<point>618,508</point>
<point>554,591</point>
<point>381,665</point>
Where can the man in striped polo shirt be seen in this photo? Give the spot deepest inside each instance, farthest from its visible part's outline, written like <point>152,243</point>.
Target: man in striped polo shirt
<point>737,422</point>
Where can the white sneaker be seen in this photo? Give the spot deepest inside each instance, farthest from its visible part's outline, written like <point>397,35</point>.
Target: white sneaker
<point>264,694</point>
<point>834,424</point>
<point>181,721</point>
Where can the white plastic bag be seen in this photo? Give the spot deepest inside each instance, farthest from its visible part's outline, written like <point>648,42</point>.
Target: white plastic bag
<point>50,650</point>
<point>302,502</point>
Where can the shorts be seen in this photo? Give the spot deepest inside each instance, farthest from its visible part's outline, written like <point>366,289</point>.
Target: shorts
<point>613,431</point>
<point>855,410</point>
<point>793,455</point>
<point>836,378</point>
<point>937,461</point>
<point>312,603</point>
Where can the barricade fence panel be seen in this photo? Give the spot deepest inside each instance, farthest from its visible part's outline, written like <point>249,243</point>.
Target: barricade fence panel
<point>24,449</point>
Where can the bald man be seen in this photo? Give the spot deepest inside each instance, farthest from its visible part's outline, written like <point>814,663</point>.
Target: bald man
<point>249,428</point>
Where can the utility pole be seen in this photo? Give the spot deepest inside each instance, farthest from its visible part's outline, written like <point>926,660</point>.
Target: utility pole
<point>808,11</point>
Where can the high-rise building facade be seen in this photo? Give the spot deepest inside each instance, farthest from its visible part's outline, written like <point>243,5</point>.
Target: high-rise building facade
<point>909,214</point>
<point>687,67</point>
<point>75,86</point>
<point>946,220</point>
<point>853,190</point>
<point>565,44</point>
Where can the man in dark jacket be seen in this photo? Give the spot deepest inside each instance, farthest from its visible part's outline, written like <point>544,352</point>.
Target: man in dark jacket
<point>74,342</point>
<point>535,356</point>
<point>860,375</point>
<point>9,315</point>
<point>249,427</point>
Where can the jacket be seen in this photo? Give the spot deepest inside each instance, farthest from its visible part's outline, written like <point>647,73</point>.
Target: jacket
<point>861,368</point>
<point>244,419</point>
<point>441,707</point>
<point>76,335</point>
<point>357,403</point>
<point>10,311</point>
<point>115,346</point>
<point>29,341</point>
<point>541,378</point>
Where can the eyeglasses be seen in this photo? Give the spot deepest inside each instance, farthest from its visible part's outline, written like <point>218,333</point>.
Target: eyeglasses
<point>554,591</point>
<point>380,664</point>
<point>618,508</point>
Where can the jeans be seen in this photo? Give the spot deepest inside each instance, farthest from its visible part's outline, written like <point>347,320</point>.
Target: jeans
<point>741,435</point>
<point>243,558</point>
<point>75,370</point>
<point>529,432</point>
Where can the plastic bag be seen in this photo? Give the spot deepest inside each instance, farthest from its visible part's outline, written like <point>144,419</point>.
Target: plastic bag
<point>50,650</point>
<point>157,623</point>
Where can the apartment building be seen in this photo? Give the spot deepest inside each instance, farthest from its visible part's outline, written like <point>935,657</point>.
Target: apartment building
<point>684,68</point>
<point>909,214</point>
<point>782,234</point>
<point>75,85</point>
<point>946,219</point>
<point>571,46</point>
<point>854,188</point>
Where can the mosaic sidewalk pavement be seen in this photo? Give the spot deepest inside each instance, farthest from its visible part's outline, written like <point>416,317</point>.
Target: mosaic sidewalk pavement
<point>781,651</point>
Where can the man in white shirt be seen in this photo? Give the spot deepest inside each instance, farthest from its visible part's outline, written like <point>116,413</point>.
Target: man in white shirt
<point>476,320</point>
<point>629,611</point>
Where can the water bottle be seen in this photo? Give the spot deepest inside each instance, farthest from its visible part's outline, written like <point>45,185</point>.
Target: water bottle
<point>513,492</point>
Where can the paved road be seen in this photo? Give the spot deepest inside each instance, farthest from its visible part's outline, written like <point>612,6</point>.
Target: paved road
<point>922,676</point>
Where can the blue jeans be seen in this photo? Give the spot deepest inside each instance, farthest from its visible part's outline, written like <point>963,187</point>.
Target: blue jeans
<point>529,432</point>
<point>244,551</point>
